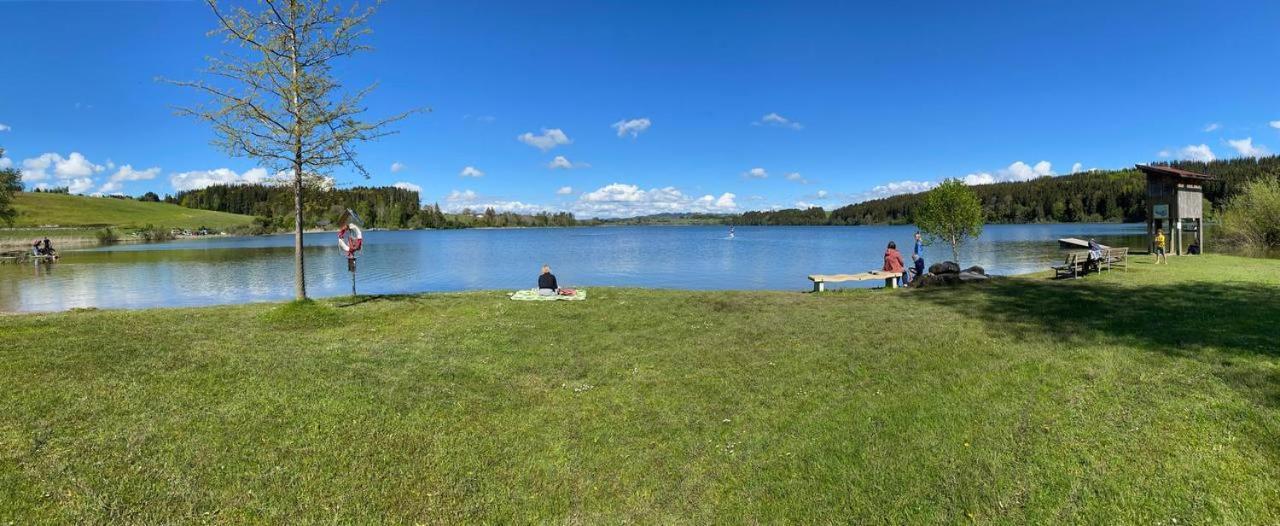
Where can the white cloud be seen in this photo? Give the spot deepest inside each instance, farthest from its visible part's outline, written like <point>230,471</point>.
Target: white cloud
<point>773,119</point>
<point>4,127</point>
<point>1274,124</point>
<point>726,201</point>
<point>1018,171</point>
<point>465,196</point>
<point>624,200</point>
<point>198,179</point>
<point>1076,168</point>
<point>74,171</point>
<point>1193,152</point>
<point>796,177</point>
<point>1245,147</point>
<point>564,190</point>
<point>5,162</point>
<point>456,201</point>
<point>892,189</point>
<point>755,173</point>
<point>396,167</point>
<point>548,139</point>
<point>632,127</point>
<point>1213,126</point>
<point>805,204</point>
<point>403,185</point>
<point>822,194</point>
<point>563,163</point>
<point>979,178</point>
<point>115,183</point>
<point>78,185</point>
<point>471,171</point>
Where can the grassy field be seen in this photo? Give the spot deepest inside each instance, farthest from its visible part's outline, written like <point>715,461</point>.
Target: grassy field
<point>1143,397</point>
<point>41,209</point>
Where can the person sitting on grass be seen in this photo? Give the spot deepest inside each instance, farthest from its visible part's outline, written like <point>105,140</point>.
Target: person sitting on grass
<point>547,285</point>
<point>893,260</point>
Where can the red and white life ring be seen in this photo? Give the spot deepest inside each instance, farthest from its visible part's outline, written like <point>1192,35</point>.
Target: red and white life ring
<point>350,239</point>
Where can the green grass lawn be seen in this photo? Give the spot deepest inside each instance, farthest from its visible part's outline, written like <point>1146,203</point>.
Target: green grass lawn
<point>40,209</point>
<point>1146,397</point>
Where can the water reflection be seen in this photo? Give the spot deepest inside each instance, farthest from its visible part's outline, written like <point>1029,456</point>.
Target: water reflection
<point>235,270</point>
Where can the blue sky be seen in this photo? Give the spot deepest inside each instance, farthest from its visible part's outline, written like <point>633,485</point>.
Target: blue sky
<point>674,106</point>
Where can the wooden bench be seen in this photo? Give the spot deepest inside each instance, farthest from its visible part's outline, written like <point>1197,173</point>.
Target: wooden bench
<point>820,280</point>
<point>1073,267</point>
<point>1116,257</point>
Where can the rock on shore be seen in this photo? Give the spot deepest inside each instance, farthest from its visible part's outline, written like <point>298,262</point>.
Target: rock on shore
<point>949,273</point>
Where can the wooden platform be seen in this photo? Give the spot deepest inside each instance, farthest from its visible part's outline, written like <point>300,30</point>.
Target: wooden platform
<point>820,280</point>
<point>1072,242</point>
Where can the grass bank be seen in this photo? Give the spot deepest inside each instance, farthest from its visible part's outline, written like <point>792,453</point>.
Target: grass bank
<point>1141,397</point>
<point>42,209</point>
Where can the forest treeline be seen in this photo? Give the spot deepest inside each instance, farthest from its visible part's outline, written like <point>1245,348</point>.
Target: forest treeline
<point>1096,196</point>
<point>379,207</point>
<point>1103,195</point>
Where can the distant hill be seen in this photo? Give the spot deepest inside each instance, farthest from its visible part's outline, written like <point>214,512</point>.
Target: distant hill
<point>42,209</point>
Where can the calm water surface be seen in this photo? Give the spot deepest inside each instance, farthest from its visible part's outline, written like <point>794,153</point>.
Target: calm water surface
<point>237,270</point>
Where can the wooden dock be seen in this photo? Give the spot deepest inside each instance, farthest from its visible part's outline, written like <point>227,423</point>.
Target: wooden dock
<point>1072,242</point>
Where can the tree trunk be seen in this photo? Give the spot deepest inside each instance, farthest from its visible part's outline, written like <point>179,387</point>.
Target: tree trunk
<point>955,251</point>
<point>299,270</point>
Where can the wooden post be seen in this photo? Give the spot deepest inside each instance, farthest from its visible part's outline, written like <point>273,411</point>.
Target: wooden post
<point>1200,234</point>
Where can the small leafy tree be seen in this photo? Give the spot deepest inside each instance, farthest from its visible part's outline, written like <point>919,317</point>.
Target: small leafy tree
<point>951,213</point>
<point>10,183</point>
<point>275,98</point>
<point>1251,219</point>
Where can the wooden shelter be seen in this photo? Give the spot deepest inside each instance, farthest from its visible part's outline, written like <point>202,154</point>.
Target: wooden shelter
<point>1175,203</point>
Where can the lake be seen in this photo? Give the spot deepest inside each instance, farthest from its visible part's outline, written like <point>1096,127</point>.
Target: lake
<point>245,269</point>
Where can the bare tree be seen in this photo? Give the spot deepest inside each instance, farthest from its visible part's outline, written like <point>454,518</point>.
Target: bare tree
<point>274,97</point>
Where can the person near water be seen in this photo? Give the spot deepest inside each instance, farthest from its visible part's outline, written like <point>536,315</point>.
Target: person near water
<point>918,250</point>
<point>47,248</point>
<point>893,261</point>
<point>35,248</point>
<point>917,263</point>
<point>1095,254</point>
<point>547,285</point>
<point>1161,256</point>
<point>730,232</point>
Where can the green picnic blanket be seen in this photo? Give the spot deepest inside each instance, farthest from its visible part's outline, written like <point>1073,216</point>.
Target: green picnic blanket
<point>532,295</point>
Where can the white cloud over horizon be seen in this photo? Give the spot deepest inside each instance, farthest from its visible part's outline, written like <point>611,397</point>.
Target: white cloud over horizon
<point>397,167</point>
<point>1246,148</point>
<point>1018,171</point>
<point>626,200</point>
<point>470,171</point>
<point>458,201</point>
<point>545,141</point>
<point>74,171</point>
<point>1194,152</point>
<point>115,183</point>
<point>405,185</point>
<point>632,127</point>
<point>197,179</point>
